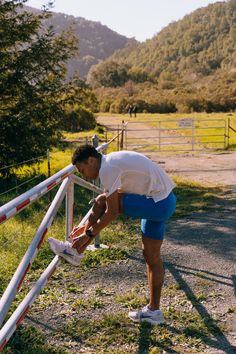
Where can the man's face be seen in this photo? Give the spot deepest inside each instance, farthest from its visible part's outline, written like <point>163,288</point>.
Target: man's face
<point>89,169</point>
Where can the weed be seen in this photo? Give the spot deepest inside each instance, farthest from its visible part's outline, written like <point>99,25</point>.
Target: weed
<point>231,310</point>
<point>92,303</point>
<point>29,340</point>
<point>131,300</point>
<point>102,257</point>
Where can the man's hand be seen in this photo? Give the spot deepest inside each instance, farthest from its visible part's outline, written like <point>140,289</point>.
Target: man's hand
<point>81,242</point>
<point>77,230</point>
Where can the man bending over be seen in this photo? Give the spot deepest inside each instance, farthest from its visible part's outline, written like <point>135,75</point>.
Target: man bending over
<point>134,186</point>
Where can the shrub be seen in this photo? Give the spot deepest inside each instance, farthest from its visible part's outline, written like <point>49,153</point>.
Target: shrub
<point>105,106</point>
<point>79,119</point>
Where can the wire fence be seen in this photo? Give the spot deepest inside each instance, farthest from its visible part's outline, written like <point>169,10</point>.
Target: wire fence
<point>22,162</point>
<point>17,175</point>
<point>87,139</point>
<point>19,185</point>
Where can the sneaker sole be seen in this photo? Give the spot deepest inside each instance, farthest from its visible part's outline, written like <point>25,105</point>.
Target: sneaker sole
<point>69,259</point>
<point>62,255</point>
<point>149,320</point>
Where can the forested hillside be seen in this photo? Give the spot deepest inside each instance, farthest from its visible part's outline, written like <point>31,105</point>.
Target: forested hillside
<point>189,65</point>
<point>96,41</point>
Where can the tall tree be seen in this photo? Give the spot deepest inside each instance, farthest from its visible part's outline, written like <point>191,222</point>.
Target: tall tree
<point>32,86</point>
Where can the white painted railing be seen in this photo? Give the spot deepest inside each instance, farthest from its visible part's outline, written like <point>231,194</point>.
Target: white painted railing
<point>67,179</point>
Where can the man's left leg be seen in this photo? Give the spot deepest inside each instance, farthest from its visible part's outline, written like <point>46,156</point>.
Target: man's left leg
<point>155,273</point>
<point>152,240</point>
<point>155,270</point>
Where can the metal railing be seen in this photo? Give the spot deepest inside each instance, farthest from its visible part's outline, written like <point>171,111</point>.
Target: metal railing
<point>67,179</point>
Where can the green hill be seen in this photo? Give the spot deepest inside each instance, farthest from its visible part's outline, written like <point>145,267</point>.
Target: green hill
<point>191,59</point>
<point>96,41</point>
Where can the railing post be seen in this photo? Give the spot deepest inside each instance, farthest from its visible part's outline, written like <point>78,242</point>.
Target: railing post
<point>69,209</point>
<point>49,173</point>
<point>97,183</point>
<point>122,136</point>
<point>159,135</point>
<point>193,137</point>
<point>118,137</point>
<point>228,127</point>
<point>106,135</point>
<point>126,138</point>
<point>49,165</point>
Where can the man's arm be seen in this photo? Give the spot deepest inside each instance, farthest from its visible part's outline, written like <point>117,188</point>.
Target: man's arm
<point>110,214</point>
<point>97,210</point>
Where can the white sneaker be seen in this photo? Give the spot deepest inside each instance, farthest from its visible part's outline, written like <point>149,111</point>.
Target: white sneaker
<point>65,250</point>
<point>146,315</point>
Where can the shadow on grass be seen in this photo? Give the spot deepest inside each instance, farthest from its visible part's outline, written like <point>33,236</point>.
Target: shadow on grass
<point>146,342</point>
<point>206,275</point>
<point>192,197</point>
<point>220,341</point>
<point>28,340</point>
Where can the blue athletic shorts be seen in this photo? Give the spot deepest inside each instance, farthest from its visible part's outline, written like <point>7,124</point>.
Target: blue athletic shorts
<point>153,215</point>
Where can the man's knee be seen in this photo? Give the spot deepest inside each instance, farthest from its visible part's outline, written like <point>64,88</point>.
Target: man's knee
<point>151,258</point>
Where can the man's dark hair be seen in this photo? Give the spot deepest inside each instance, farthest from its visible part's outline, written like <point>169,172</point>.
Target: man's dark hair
<point>83,152</point>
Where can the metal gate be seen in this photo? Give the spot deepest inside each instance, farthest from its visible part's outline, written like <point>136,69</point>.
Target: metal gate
<point>176,135</point>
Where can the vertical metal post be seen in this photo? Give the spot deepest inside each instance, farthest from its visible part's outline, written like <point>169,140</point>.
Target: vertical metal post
<point>97,237</point>
<point>122,136</point>
<point>126,136</point>
<point>49,173</point>
<point>95,142</point>
<point>225,136</point>
<point>159,135</point>
<point>193,124</point>
<point>118,137</point>
<point>49,165</point>
<point>228,127</point>
<point>69,209</point>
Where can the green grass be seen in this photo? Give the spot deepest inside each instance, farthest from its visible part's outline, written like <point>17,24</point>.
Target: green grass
<point>28,340</point>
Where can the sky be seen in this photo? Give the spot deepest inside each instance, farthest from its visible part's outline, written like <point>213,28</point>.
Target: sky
<point>141,19</point>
